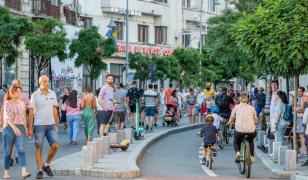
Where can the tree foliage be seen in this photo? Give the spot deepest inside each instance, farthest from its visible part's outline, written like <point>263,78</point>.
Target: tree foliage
<point>12,30</point>
<point>277,36</point>
<point>90,49</point>
<point>139,62</point>
<point>189,63</point>
<point>46,41</point>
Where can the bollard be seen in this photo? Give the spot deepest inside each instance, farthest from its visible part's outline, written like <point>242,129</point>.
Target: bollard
<point>270,146</point>
<point>106,144</point>
<point>282,155</point>
<point>94,152</point>
<point>121,136</point>
<point>261,138</point>
<point>87,157</point>
<point>113,138</point>
<point>265,139</point>
<point>276,147</point>
<point>99,147</point>
<point>128,134</point>
<point>290,163</point>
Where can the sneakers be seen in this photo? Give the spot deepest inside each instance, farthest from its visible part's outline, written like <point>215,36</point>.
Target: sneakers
<point>147,127</point>
<point>6,174</point>
<point>155,124</point>
<point>253,159</point>
<point>204,161</point>
<point>11,162</point>
<point>47,170</point>
<point>17,160</point>
<point>25,173</point>
<point>237,157</point>
<point>39,174</point>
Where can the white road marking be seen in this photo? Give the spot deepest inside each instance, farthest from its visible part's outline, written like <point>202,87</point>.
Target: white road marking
<point>205,169</point>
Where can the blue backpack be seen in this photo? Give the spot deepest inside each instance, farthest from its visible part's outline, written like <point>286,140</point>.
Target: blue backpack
<point>288,114</point>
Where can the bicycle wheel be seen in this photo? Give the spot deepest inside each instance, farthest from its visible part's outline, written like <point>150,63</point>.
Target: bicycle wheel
<point>242,163</point>
<point>248,160</point>
<point>227,135</point>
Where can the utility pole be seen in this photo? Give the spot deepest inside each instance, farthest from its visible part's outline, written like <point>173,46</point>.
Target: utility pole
<point>126,49</point>
<point>201,38</point>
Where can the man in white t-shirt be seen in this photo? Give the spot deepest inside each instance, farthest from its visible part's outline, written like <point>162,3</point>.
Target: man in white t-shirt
<point>200,98</point>
<point>180,100</point>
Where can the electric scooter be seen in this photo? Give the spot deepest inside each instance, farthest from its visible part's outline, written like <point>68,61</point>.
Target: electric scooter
<point>139,131</point>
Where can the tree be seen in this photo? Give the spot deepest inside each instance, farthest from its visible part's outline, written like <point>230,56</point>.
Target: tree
<point>277,35</point>
<point>162,67</point>
<point>174,69</point>
<point>90,49</point>
<point>12,31</point>
<point>189,62</point>
<point>139,63</point>
<point>45,42</point>
<point>224,60</point>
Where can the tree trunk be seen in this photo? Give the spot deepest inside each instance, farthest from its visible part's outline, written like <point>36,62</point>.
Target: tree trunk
<point>38,77</point>
<point>288,87</point>
<point>296,84</point>
<point>91,84</point>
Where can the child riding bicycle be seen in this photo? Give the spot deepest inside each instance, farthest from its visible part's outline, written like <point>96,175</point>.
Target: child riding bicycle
<point>209,133</point>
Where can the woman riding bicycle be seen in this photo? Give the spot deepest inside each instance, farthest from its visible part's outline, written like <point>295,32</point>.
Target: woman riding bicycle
<point>244,117</point>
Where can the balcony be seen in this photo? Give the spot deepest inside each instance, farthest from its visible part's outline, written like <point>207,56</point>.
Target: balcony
<point>45,8</point>
<point>70,16</point>
<point>13,4</point>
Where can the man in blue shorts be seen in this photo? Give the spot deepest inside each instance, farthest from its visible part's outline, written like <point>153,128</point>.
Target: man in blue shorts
<point>151,103</point>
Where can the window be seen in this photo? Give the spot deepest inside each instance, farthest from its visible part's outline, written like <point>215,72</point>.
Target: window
<point>160,35</point>
<point>143,32</point>
<point>212,5</point>
<point>161,1</point>
<point>119,30</point>
<point>186,40</point>
<point>186,3</point>
<point>87,22</point>
<point>54,2</point>
<point>117,71</point>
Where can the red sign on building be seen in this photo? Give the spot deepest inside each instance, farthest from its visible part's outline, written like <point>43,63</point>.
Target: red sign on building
<point>158,51</point>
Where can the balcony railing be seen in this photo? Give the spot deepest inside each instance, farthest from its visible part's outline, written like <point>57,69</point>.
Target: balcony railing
<point>44,7</point>
<point>70,16</point>
<point>14,4</point>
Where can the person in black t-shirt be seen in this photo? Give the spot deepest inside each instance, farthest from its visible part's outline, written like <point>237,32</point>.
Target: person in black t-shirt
<point>133,96</point>
<point>223,101</point>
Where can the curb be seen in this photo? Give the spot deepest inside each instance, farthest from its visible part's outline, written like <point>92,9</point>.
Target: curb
<point>133,161</point>
<point>274,168</point>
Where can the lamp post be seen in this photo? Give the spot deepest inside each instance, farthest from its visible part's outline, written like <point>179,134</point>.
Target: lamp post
<point>126,42</point>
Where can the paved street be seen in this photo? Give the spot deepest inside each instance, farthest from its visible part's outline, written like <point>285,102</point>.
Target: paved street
<point>177,156</point>
<point>65,149</point>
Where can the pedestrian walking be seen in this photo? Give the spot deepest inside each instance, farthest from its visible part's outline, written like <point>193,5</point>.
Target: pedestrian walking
<point>260,101</point>
<point>72,106</point>
<point>133,96</point>
<point>89,110</point>
<point>105,99</point>
<point>63,113</point>
<point>191,102</point>
<point>151,101</point>
<point>305,121</point>
<point>14,130</point>
<point>25,99</point>
<point>44,116</point>
<point>223,101</point>
<point>99,111</point>
<point>280,123</point>
<point>162,106</point>
<point>120,114</point>
<point>180,100</point>
<point>274,102</point>
<point>168,93</point>
<point>300,129</point>
<point>175,102</point>
<point>158,104</point>
<point>200,99</point>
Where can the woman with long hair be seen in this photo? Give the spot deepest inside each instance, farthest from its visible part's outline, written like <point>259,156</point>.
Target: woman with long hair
<point>72,106</point>
<point>280,123</point>
<point>14,130</point>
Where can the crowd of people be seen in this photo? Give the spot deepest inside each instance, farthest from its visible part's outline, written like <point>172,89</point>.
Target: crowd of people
<point>39,116</point>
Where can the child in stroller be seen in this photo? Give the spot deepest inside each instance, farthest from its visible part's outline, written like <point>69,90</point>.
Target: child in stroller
<point>170,116</point>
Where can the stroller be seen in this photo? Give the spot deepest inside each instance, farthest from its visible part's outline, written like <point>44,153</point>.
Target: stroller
<point>170,116</point>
